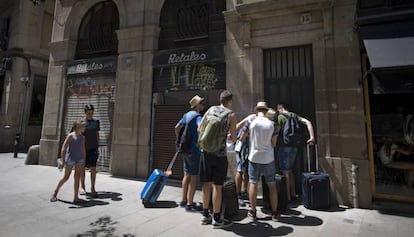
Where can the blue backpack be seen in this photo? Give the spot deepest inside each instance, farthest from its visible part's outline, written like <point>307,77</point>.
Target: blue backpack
<point>184,140</point>
<point>292,130</point>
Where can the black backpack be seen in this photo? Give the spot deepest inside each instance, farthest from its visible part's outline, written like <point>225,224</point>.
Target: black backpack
<point>292,130</point>
<point>183,142</point>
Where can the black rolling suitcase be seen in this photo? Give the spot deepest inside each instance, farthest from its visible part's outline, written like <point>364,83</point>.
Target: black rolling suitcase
<point>230,204</point>
<point>282,199</point>
<point>315,186</point>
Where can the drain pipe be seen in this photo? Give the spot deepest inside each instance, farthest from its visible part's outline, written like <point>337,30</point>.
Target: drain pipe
<point>354,183</point>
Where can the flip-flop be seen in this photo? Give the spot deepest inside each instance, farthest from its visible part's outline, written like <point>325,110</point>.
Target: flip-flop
<point>94,194</point>
<point>53,198</point>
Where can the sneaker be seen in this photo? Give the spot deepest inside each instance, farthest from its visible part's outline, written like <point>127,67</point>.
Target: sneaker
<point>244,195</point>
<point>193,208</point>
<point>222,223</point>
<point>182,204</point>
<point>241,202</point>
<point>252,214</point>
<point>205,220</point>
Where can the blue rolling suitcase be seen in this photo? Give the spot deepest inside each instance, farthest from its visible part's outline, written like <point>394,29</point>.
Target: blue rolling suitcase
<point>315,186</point>
<point>155,183</point>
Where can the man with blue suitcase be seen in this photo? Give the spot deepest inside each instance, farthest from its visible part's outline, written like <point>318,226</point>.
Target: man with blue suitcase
<point>190,155</point>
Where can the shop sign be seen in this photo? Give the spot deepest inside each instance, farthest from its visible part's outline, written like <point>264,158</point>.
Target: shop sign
<point>100,65</point>
<point>188,56</point>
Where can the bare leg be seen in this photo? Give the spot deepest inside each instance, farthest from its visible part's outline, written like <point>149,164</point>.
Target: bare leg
<point>82,181</point>
<point>78,174</point>
<point>206,189</point>
<point>238,179</point>
<point>245,182</point>
<point>184,185</point>
<point>66,175</point>
<point>192,189</point>
<point>287,175</point>
<point>273,196</point>
<point>93,178</point>
<point>290,184</point>
<point>217,195</point>
<point>253,195</point>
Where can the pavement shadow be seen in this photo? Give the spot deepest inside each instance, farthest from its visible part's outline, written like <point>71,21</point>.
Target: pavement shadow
<point>258,228</point>
<point>161,204</point>
<point>394,208</point>
<point>104,226</point>
<point>105,195</point>
<point>335,209</point>
<point>301,221</point>
<point>241,214</point>
<point>331,209</point>
<point>85,203</point>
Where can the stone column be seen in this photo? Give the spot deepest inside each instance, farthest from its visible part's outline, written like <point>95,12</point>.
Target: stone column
<point>60,51</point>
<point>132,115</point>
<point>239,64</point>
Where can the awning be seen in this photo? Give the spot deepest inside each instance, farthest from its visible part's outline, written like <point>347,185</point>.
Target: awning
<point>391,52</point>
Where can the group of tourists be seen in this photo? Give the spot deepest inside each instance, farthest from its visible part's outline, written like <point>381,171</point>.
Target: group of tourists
<point>207,156</point>
<point>203,142</point>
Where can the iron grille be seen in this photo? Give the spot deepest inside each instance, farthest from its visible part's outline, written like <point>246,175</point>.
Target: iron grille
<point>97,33</point>
<point>192,21</point>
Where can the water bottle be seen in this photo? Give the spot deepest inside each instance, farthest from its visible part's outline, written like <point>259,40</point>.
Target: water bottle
<point>237,147</point>
<point>59,164</point>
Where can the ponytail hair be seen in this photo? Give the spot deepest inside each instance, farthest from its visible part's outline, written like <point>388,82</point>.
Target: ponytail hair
<point>75,124</point>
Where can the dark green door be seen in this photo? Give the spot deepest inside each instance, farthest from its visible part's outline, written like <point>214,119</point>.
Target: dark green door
<point>288,78</point>
<point>288,75</point>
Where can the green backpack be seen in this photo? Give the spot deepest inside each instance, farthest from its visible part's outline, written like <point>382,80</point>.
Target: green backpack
<point>213,133</point>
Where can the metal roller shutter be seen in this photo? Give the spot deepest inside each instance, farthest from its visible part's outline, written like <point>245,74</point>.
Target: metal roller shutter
<point>165,119</point>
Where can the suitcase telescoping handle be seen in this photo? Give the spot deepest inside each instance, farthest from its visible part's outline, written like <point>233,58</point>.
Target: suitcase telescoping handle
<point>309,157</point>
<point>169,168</point>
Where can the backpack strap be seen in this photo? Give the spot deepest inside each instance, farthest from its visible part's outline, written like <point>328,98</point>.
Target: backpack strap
<point>187,125</point>
<point>288,116</point>
<point>192,118</point>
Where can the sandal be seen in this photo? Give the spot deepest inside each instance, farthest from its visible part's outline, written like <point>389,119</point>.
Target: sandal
<point>53,198</point>
<point>94,194</point>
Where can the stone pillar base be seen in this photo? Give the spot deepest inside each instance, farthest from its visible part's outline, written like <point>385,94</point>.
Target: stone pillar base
<point>48,152</point>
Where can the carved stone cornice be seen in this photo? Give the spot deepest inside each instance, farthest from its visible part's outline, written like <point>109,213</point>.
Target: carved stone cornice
<point>268,8</point>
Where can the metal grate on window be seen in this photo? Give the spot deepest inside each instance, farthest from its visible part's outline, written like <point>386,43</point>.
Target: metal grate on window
<point>97,33</point>
<point>192,21</point>
<point>285,63</point>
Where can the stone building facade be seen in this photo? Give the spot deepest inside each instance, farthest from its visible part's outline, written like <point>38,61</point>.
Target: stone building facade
<point>24,55</point>
<point>305,53</point>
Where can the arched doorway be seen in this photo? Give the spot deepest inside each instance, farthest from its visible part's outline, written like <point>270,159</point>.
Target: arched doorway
<point>91,76</point>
